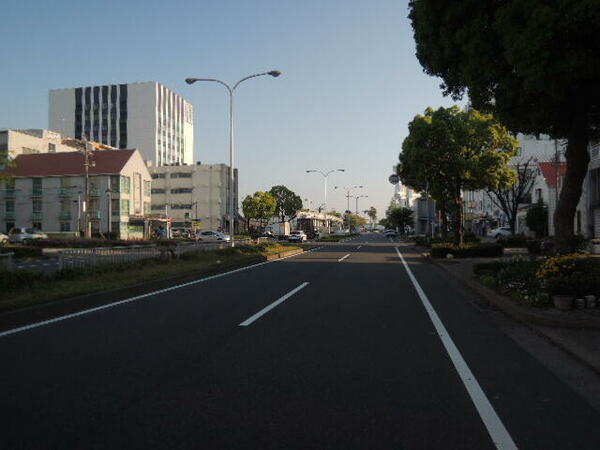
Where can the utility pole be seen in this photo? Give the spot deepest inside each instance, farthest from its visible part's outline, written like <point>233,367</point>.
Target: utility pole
<point>87,229</point>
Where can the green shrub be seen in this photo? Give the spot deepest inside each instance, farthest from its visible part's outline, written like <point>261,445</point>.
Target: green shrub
<point>422,241</point>
<point>488,268</point>
<point>22,251</point>
<point>516,241</point>
<point>469,236</point>
<point>471,250</point>
<point>534,246</point>
<point>573,274</point>
<point>20,279</point>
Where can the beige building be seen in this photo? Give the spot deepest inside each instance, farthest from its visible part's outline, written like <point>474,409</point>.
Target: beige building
<point>194,193</point>
<point>28,142</point>
<point>46,192</point>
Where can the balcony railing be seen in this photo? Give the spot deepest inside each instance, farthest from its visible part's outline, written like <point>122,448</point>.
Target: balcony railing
<point>65,215</point>
<point>36,215</point>
<point>9,215</point>
<point>9,193</point>
<point>65,192</point>
<point>94,214</point>
<point>36,192</point>
<point>94,192</point>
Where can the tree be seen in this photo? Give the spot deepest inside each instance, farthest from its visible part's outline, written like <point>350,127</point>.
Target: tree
<point>533,63</point>
<point>288,203</point>
<point>372,213</point>
<point>353,221</point>
<point>400,217</point>
<point>261,206</point>
<point>508,200</point>
<point>537,219</point>
<point>451,150</point>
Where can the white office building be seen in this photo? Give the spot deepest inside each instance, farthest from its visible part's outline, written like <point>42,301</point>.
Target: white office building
<point>147,116</point>
<point>194,193</point>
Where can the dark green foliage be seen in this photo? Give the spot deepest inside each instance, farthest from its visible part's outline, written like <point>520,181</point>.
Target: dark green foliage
<point>20,279</point>
<point>516,241</point>
<point>537,219</point>
<point>288,203</point>
<point>471,250</point>
<point>22,251</point>
<point>534,246</point>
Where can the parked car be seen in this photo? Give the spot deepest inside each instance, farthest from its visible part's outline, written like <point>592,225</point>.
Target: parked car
<point>3,238</point>
<point>210,235</point>
<point>24,235</point>
<point>498,232</point>
<point>390,233</point>
<point>297,236</point>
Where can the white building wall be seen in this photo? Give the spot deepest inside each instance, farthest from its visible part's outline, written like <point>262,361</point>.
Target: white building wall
<point>26,142</point>
<point>61,111</point>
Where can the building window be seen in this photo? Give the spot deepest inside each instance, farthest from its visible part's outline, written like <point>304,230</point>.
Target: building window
<point>158,191</point>
<point>65,226</point>
<point>115,207</point>
<point>51,148</point>
<point>158,207</point>
<point>158,175</point>
<point>125,185</point>
<point>181,206</point>
<point>9,206</point>
<point>36,225</point>
<point>125,207</point>
<point>147,188</point>
<point>538,194</point>
<point>36,205</point>
<point>181,175</point>
<point>181,191</point>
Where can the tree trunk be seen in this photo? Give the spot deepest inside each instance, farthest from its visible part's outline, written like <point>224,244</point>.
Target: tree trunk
<point>459,238</point>
<point>577,162</point>
<point>444,220</point>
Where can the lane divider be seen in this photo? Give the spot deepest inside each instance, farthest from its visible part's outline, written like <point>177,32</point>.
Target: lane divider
<point>266,309</point>
<point>496,429</point>
<point>137,297</point>
<point>343,257</point>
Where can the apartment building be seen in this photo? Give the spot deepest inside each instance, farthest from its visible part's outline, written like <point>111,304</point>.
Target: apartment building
<point>29,142</point>
<point>147,116</point>
<point>46,191</point>
<point>194,193</point>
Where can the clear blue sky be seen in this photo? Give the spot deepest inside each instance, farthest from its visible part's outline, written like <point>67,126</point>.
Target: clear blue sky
<point>350,80</point>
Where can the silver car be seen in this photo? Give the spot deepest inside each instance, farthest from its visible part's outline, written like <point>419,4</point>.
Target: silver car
<point>209,235</point>
<point>24,235</point>
<point>3,238</point>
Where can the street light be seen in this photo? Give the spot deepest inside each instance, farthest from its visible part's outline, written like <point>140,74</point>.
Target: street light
<point>230,89</point>
<point>325,175</point>
<point>356,197</point>
<point>348,189</point>
<point>109,215</point>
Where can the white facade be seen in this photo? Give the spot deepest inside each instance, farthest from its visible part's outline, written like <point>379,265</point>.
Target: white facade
<point>147,116</point>
<point>27,142</point>
<point>198,192</point>
<point>46,192</point>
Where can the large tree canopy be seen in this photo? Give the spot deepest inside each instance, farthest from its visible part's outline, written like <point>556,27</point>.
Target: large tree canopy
<point>288,203</point>
<point>534,63</point>
<point>260,206</point>
<point>450,150</point>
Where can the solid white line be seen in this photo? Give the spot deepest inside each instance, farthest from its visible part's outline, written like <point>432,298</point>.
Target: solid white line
<point>265,310</point>
<point>138,297</point>
<point>495,427</point>
<point>343,257</point>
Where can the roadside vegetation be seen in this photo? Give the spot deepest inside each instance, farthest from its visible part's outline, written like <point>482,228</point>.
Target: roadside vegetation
<point>23,288</point>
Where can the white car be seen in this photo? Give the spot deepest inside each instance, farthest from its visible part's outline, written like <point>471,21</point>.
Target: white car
<point>209,235</point>
<point>24,235</point>
<point>3,238</point>
<point>499,232</point>
<point>297,236</point>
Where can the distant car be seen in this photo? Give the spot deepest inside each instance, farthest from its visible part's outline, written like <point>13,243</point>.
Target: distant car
<point>3,238</point>
<point>297,236</point>
<point>209,235</point>
<point>499,232</point>
<point>390,233</point>
<point>24,235</point>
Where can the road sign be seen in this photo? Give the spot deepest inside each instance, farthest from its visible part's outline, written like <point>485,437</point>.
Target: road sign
<point>196,224</point>
<point>394,179</point>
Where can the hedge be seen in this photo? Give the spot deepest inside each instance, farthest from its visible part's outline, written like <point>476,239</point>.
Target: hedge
<point>22,251</point>
<point>471,250</point>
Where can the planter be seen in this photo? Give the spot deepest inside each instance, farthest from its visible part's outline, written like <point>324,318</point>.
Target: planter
<point>563,302</point>
<point>595,249</point>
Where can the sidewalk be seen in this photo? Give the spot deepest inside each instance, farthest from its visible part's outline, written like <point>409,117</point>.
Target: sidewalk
<point>577,332</point>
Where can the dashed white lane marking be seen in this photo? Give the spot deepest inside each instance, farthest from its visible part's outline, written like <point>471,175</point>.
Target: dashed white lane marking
<point>343,257</point>
<point>138,297</point>
<point>495,427</point>
<point>265,310</point>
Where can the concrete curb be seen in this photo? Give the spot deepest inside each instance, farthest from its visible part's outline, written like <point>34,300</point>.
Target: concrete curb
<point>526,317</point>
<point>284,254</point>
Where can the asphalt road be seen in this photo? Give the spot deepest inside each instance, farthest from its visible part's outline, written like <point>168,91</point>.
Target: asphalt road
<point>338,348</point>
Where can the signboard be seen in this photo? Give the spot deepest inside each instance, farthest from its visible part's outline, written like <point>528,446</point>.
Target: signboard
<point>394,179</point>
<point>196,224</point>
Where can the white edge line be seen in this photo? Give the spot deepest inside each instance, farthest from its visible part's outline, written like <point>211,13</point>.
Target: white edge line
<point>343,257</point>
<point>137,297</point>
<point>496,429</point>
<point>266,309</point>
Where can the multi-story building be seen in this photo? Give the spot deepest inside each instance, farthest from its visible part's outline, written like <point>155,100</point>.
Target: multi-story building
<point>27,142</point>
<point>46,191</point>
<point>194,193</point>
<point>147,116</point>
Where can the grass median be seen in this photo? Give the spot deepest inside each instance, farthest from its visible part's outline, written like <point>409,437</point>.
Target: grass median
<point>21,289</point>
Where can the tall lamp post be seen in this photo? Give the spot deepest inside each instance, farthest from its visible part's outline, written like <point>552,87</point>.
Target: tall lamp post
<point>325,175</point>
<point>348,189</point>
<point>231,89</point>
<point>356,197</point>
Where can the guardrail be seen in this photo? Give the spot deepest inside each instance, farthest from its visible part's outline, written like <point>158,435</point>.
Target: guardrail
<point>89,257</point>
<point>6,261</point>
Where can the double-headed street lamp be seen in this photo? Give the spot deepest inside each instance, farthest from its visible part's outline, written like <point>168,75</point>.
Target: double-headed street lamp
<point>325,175</point>
<point>348,189</point>
<point>356,197</point>
<point>231,89</point>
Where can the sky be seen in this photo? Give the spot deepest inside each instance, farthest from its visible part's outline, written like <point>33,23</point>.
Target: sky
<point>350,80</point>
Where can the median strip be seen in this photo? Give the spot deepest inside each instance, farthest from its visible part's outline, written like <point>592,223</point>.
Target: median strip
<point>265,310</point>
